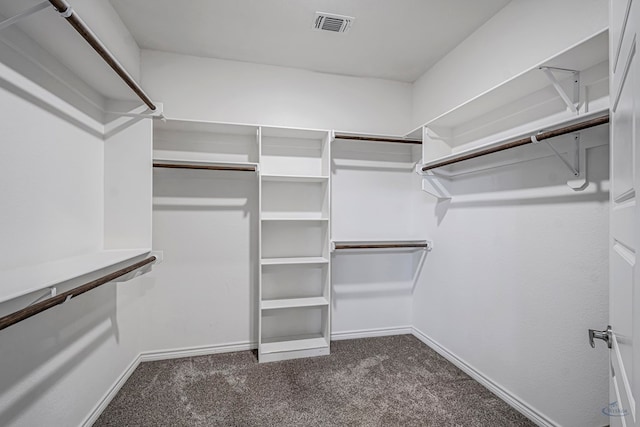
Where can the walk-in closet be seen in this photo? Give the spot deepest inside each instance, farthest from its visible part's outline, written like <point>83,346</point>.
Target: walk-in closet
<point>319,213</point>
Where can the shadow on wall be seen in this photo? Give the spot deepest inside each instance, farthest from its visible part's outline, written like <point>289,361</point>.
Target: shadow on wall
<point>39,352</point>
<point>26,58</point>
<point>371,156</point>
<point>206,223</point>
<point>375,273</point>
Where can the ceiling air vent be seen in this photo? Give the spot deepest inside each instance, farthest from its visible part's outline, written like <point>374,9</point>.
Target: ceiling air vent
<point>332,22</point>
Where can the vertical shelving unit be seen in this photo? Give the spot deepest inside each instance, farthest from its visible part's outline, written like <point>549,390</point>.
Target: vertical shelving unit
<point>295,270</point>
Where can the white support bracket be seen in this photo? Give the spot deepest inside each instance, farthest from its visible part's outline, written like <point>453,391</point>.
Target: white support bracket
<point>573,104</point>
<point>579,157</point>
<point>32,10</point>
<point>432,185</point>
<point>576,164</point>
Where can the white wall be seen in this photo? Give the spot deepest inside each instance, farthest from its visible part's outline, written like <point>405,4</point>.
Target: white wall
<point>57,37</point>
<point>373,187</point>
<point>205,293</point>
<point>56,366</point>
<point>239,92</point>
<point>521,35</point>
<point>519,269</point>
<point>517,276</point>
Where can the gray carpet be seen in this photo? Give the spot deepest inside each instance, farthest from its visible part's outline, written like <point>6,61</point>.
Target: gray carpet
<point>389,381</point>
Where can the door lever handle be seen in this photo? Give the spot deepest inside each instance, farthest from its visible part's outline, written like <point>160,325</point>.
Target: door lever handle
<point>605,336</point>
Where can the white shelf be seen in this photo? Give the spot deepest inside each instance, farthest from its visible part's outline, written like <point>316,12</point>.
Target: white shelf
<point>293,345</point>
<point>580,57</point>
<point>292,261</point>
<point>22,281</point>
<point>295,219</point>
<point>294,178</point>
<point>294,303</point>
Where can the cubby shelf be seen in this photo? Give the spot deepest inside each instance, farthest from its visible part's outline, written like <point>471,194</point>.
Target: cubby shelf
<point>294,178</point>
<point>292,261</point>
<point>294,345</point>
<point>277,304</point>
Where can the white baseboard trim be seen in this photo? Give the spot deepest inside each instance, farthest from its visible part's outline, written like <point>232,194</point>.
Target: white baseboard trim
<point>111,393</point>
<point>151,356</point>
<point>370,333</point>
<point>511,399</point>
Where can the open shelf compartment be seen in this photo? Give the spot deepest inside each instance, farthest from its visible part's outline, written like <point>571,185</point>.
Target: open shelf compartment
<point>205,142</point>
<point>291,333</point>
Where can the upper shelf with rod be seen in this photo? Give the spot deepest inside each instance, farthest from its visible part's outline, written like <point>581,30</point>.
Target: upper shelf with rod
<point>373,138</point>
<point>553,93</point>
<point>61,49</point>
<point>67,12</point>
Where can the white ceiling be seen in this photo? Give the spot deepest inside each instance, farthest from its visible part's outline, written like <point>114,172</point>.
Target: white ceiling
<point>392,39</point>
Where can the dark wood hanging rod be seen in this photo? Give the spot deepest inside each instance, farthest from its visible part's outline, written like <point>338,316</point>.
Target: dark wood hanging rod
<point>32,310</point>
<point>249,168</point>
<point>382,245</point>
<point>377,139</point>
<point>523,141</point>
<point>76,22</point>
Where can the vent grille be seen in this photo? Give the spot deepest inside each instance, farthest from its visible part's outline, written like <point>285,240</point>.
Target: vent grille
<point>332,22</point>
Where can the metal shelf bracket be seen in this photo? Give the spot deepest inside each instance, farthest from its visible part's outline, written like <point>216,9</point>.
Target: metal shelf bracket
<point>576,163</point>
<point>572,102</point>
<point>431,184</point>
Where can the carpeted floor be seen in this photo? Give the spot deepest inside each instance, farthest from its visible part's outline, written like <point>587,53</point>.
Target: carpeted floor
<point>388,381</point>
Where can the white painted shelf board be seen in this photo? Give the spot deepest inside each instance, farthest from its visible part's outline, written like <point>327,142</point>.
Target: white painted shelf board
<point>276,304</point>
<point>579,57</point>
<point>22,281</point>
<point>291,261</point>
<point>521,133</point>
<point>297,133</point>
<point>293,215</point>
<point>294,178</point>
<point>178,125</point>
<point>295,219</point>
<point>293,345</point>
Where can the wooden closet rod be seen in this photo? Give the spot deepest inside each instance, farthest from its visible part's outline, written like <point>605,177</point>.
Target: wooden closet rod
<point>523,141</point>
<point>382,246</point>
<point>377,139</point>
<point>67,12</point>
<point>206,167</point>
<point>32,310</point>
